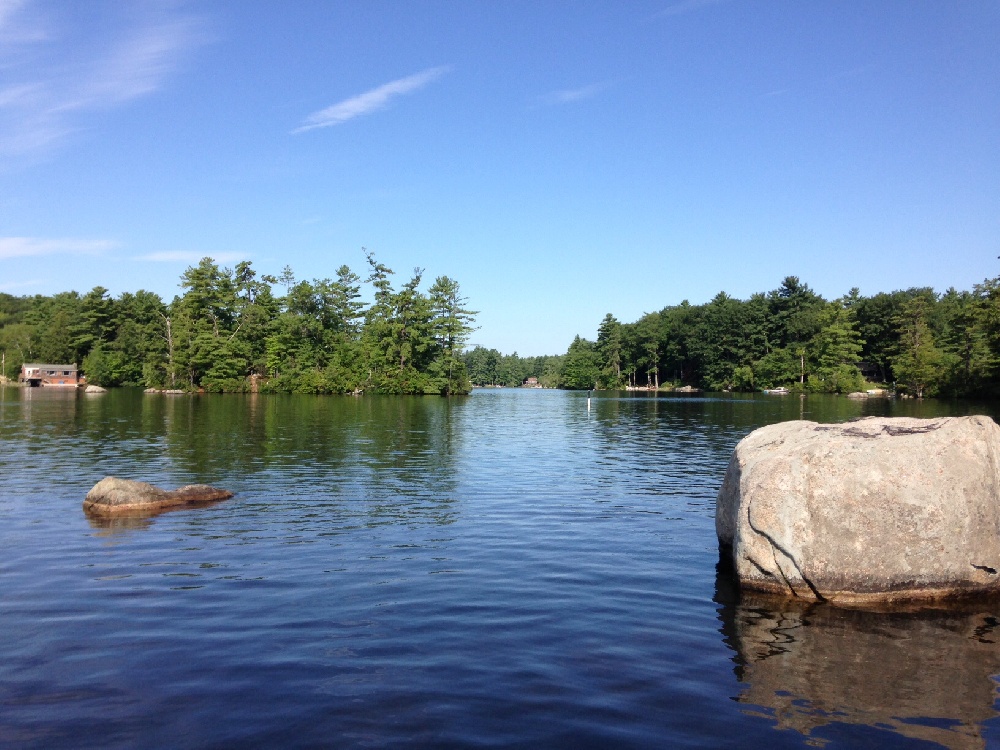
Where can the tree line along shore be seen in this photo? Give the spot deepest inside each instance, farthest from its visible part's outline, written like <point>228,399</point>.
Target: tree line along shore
<point>229,331</point>
<point>917,342</point>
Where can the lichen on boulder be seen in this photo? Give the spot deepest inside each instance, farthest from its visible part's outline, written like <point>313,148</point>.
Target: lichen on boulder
<point>115,496</point>
<point>875,510</point>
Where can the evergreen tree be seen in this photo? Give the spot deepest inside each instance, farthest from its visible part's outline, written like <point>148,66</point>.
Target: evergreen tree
<point>968,362</point>
<point>918,364</point>
<point>452,325</point>
<point>609,349</point>
<point>52,319</point>
<point>94,322</point>
<point>581,368</point>
<point>836,350</point>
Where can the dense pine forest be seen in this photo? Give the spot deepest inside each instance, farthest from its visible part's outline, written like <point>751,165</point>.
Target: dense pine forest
<point>229,332</point>
<point>918,341</point>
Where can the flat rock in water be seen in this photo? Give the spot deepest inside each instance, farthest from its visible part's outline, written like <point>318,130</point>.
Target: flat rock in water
<point>114,496</point>
<point>878,510</point>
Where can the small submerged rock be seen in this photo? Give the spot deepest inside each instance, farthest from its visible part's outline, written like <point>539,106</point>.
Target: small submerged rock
<point>95,389</point>
<point>114,496</point>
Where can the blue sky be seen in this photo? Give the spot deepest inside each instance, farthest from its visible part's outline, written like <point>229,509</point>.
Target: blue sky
<point>561,160</point>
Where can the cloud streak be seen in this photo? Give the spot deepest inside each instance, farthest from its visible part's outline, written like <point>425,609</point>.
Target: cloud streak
<point>370,101</point>
<point>53,76</point>
<point>21,284</point>
<point>189,256</point>
<point>26,247</point>
<point>687,6</point>
<point>568,96</point>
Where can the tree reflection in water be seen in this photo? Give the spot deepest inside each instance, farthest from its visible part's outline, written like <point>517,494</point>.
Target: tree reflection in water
<point>925,674</point>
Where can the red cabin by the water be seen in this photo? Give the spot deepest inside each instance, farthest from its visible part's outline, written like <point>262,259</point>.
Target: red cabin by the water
<point>67,376</point>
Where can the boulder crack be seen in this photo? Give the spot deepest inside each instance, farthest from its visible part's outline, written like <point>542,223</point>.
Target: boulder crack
<point>777,547</point>
<point>885,429</point>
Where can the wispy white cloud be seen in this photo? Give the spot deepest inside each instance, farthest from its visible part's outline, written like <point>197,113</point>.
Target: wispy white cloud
<point>568,96</point>
<point>23,247</point>
<point>54,70</point>
<point>370,101</point>
<point>687,6</point>
<point>190,256</point>
<point>7,10</point>
<point>10,285</point>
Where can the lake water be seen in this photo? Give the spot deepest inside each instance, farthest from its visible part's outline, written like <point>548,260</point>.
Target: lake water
<point>509,569</point>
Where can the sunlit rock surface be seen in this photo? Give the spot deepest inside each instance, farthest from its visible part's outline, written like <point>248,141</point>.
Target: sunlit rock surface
<point>113,496</point>
<point>879,509</point>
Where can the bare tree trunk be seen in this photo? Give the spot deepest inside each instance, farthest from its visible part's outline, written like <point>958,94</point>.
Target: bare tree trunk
<point>170,350</point>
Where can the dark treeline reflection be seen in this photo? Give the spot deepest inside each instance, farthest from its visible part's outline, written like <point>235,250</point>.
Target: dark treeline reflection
<point>690,425</point>
<point>828,672</point>
<point>377,458</point>
<point>748,411</point>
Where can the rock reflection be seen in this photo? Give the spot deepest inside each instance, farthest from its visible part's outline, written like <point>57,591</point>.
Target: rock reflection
<point>926,675</point>
<point>138,519</point>
<point>111,525</point>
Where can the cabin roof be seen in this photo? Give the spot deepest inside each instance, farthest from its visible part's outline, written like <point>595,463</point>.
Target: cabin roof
<point>35,366</point>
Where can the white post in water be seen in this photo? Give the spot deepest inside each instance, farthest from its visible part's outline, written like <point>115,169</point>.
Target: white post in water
<point>588,400</point>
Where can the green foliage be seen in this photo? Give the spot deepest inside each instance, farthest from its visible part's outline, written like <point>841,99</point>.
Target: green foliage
<point>835,350</point>
<point>610,349</point>
<point>581,367</point>
<point>919,364</point>
<point>451,327</point>
<point>227,328</point>
<point>488,367</point>
<point>791,336</point>
<point>776,368</point>
<point>743,378</point>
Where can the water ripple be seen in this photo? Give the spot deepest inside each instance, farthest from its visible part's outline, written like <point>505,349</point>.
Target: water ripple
<point>510,569</point>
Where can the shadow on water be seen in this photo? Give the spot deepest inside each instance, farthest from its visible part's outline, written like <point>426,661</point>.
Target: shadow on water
<point>927,675</point>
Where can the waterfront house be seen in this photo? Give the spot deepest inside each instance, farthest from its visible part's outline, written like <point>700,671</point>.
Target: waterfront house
<point>64,376</point>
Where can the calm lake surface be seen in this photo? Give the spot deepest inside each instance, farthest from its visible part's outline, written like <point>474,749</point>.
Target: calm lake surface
<point>503,570</point>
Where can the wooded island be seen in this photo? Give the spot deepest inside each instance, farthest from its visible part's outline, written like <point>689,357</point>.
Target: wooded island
<point>918,341</point>
<point>229,332</point>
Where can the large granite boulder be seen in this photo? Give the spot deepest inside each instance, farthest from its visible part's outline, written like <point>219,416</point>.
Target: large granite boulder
<point>114,496</point>
<point>876,510</point>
